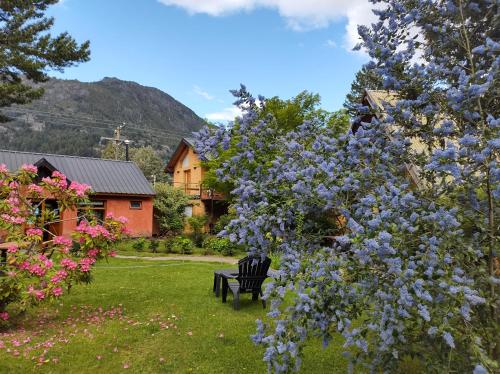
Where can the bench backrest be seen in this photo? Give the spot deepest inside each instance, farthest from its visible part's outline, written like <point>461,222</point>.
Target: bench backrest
<point>252,272</point>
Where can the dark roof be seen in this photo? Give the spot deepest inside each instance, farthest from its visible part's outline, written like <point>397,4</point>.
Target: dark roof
<point>184,143</point>
<point>104,176</point>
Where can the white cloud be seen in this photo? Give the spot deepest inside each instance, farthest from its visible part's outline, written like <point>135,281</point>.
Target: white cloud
<point>62,4</point>
<point>331,43</point>
<point>227,114</point>
<point>300,15</point>
<point>201,92</point>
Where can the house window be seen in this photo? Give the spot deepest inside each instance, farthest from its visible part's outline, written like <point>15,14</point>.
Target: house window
<point>188,211</point>
<point>136,204</point>
<point>185,162</point>
<point>92,209</point>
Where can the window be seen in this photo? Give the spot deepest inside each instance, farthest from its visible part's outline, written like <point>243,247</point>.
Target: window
<point>185,162</point>
<point>136,204</point>
<point>92,209</point>
<point>188,211</point>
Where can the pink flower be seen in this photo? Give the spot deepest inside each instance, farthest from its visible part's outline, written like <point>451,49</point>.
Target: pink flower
<point>61,240</point>
<point>126,365</point>
<point>57,291</point>
<point>86,263</point>
<point>80,189</point>
<point>57,174</point>
<point>39,294</point>
<point>69,264</point>
<point>37,270</point>
<point>122,219</point>
<point>12,249</point>
<point>112,253</point>
<point>4,316</point>
<point>60,275</point>
<point>33,188</point>
<point>29,168</point>
<point>3,169</point>
<point>93,252</point>
<point>34,232</point>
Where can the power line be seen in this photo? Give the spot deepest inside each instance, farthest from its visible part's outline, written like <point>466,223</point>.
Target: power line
<point>93,121</point>
<point>157,133</point>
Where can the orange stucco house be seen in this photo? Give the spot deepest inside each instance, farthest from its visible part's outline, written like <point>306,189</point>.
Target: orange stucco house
<point>118,187</point>
<point>188,175</point>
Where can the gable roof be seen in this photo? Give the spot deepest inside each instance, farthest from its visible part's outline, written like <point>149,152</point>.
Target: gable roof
<point>378,98</point>
<point>184,143</point>
<point>104,176</point>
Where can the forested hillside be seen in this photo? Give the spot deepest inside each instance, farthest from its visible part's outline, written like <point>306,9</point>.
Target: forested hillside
<point>74,117</point>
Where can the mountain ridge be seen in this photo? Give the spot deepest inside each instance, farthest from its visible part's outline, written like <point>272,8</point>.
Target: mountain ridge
<point>74,117</point>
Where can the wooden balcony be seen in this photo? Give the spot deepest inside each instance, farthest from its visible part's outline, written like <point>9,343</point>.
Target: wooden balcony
<point>197,191</point>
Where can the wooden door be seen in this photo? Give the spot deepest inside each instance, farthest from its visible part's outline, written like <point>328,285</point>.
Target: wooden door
<point>187,180</point>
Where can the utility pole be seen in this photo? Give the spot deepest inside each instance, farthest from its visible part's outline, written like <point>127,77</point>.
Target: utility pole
<point>117,141</point>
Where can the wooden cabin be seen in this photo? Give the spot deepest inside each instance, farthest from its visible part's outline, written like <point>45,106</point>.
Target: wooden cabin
<point>188,175</point>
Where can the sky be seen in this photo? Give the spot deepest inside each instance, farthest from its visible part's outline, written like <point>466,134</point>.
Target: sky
<point>197,50</point>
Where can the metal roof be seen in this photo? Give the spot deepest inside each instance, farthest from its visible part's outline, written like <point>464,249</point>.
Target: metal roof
<point>104,176</point>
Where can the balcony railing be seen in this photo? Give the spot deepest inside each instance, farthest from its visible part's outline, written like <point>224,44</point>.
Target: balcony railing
<point>198,191</point>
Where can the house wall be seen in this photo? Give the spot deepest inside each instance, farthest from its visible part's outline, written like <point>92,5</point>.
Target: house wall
<point>140,221</point>
<point>193,166</point>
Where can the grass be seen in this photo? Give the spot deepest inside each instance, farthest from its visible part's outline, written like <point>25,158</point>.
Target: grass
<point>205,336</point>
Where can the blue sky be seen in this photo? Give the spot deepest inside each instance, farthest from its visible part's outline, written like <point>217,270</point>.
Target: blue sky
<point>197,50</point>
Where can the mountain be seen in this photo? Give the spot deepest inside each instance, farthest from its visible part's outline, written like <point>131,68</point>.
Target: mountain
<point>74,118</point>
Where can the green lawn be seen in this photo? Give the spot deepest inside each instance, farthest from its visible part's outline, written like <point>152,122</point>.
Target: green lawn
<point>170,323</point>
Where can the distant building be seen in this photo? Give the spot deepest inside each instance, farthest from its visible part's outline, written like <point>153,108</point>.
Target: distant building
<point>188,175</point>
<point>377,100</point>
<point>119,188</point>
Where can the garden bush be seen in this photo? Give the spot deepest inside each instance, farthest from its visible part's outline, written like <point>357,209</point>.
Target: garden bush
<point>139,244</point>
<point>222,246</point>
<point>197,225</point>
<point>169,205</point>
<point>413,270</point>
<point>36,271</point>
<point>154,245</point>
<point>182,245</point>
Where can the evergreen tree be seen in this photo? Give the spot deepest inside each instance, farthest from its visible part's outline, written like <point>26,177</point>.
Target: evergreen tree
<point>27,50</point>
<point>365,79</point>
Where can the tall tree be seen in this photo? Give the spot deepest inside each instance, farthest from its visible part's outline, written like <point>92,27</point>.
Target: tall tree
<point>283,115</point>
<point>28,51</point>
<point>412,281</point>
<point>146,158</point>
<point>365,79</point>
<point>149,162</point>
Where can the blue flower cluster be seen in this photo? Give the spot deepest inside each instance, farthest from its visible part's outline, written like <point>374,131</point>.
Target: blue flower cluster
<point>409,266</point>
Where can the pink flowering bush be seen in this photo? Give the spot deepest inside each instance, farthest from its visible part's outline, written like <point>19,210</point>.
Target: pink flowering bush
<point>37,270</point>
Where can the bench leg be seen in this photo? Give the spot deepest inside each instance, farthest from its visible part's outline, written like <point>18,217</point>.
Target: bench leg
<point>217,280</point>
<point>263,301</point>
<point>255,296</point>
<point>225,286</point>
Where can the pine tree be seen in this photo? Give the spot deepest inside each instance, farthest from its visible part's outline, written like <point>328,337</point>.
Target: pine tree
<point>27,50</point>
<point>365,79</point>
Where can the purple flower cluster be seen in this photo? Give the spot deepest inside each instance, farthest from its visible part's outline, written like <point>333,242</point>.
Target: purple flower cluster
<point>408,268</point>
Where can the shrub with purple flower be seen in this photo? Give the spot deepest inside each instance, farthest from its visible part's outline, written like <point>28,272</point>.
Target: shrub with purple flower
<point>413,268</point>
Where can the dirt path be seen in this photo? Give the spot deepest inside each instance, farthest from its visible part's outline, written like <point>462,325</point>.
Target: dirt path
<point>226,260</point>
